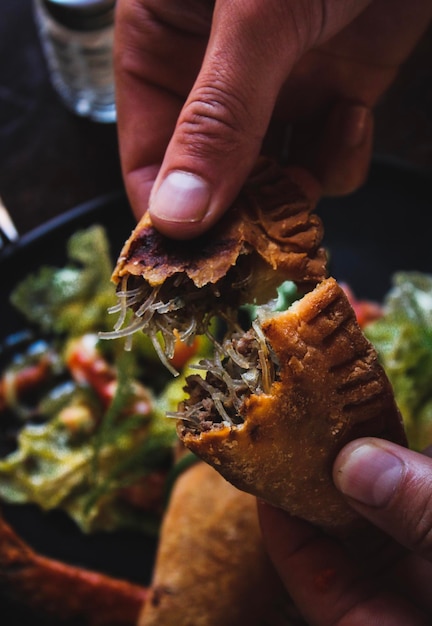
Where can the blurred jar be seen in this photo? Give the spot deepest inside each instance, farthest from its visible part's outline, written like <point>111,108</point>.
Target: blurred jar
<point>77,38</point>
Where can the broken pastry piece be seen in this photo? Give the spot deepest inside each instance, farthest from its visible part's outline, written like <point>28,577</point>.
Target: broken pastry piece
<point>281,400</point>
<point>269,235</point>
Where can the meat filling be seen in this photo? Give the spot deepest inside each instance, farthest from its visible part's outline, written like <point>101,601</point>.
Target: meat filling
<point>176,305</point>
<point>245,364</point>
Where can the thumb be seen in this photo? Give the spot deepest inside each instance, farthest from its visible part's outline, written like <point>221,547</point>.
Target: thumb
<point>221,127</point>
<point>252,48</point>
<point>392,487</point>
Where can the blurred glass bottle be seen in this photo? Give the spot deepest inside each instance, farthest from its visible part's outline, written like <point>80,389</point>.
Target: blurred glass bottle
<point>77,39</point>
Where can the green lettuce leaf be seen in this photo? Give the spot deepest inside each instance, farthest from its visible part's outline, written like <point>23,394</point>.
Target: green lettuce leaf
<point>83,472</point>
<point>403,340</point>
<point>73,299</point>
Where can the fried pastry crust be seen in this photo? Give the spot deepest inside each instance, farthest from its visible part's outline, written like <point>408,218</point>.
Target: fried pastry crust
<point>211,567</point>
<point>272,220</point>
<point>329,390</point>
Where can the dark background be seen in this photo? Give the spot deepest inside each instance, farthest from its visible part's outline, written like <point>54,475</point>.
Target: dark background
<point>51,161</point>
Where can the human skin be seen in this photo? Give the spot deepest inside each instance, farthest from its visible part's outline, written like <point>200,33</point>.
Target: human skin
<point>386,578</point>
<point>201,86</point>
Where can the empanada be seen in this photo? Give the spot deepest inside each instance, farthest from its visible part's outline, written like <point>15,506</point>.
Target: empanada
<point>281,401</point>
<point>211,566</point>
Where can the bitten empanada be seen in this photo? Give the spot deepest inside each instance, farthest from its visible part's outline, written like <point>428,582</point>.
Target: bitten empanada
<point>281,401</point>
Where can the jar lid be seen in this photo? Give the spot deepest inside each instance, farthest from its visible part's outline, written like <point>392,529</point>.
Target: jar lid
<point>81,14</point>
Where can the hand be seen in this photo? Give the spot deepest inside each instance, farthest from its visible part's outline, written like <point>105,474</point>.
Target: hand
<point>202,87</point>
<point>387,578</point>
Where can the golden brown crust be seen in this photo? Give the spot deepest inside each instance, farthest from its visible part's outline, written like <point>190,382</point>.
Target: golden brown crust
<point>331,389</point>
<point>272,220</point>
<point>211,566</point>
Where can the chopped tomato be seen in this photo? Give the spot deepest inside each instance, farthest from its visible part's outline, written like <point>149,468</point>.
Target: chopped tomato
<point>86,365</point>
<point>366,311</point>
<point>16,383</point>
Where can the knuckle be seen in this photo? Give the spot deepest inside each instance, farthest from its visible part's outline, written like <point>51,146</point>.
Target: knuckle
<point>190,15</point>
<point>214,120</point>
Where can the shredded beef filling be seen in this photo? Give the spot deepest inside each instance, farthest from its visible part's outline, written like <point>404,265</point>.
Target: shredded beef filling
<point>244,365</point>
<point>176,309</point>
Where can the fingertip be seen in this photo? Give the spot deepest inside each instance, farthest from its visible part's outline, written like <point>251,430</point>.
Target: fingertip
<point>185,204</point>
<point>181,197</point>
<point>346,452</point>
<point>389,485</point>
<point>180,203</point>
<point>369,472</point>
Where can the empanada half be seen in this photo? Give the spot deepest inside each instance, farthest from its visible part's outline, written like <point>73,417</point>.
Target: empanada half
<point>269,235</point>
<point>277,407</point>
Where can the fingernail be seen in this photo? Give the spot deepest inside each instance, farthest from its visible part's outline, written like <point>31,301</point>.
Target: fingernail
<point>354,122</point>
<point>370,475</point>
<point>181,197</point>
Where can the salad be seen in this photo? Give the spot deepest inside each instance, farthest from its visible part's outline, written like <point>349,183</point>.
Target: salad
<point>84,426</point>
<point>402,336</point>
<point>400,328</point>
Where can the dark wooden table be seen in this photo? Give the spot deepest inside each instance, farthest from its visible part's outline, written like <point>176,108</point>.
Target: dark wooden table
<point>52,160</point>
